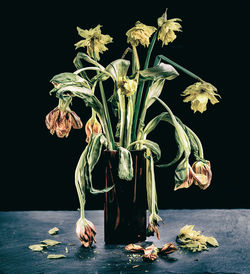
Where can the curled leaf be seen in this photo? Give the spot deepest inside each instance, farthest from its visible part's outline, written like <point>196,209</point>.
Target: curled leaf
<point>134,248</point>
<point>168,249</point>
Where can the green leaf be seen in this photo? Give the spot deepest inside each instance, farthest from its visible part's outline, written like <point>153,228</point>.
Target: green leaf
<point>125,166</point>
<point>161,71</point>
<point>80,55</point>
<point>154,91</point>
<point>152,146</point>
<point>118,68</point>
<point>86,94</point>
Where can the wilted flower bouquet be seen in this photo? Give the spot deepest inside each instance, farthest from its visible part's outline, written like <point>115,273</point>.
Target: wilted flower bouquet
<point>130,101</point>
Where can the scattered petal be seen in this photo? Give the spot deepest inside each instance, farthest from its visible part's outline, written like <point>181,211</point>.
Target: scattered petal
<point>212,241</point>
<point>168,249</point>
<point>49,242</point>
<point>53,230</point>
<point>38,247</point>
<point>55,256</point>
<point>134,248</point>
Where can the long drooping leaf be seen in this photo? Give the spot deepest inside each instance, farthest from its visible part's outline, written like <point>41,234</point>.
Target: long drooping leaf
<point>152,146</point>
<point>93,156</point>
<point>161,71</point>
<point>86,94</point>
<point>182,170</point>
<point>68,78</point>
<point>154,91</point>
<point>118,68</point>
<point>80,55</point>
<point>125,165</point>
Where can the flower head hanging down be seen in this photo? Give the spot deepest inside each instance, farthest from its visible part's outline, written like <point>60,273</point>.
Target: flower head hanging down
<point>199,94</point>
<point>200,174</point>
<point>92,127</point>
<point>167,29</point>
<point>140,33</point>
<point>61,119</point>
<point>85,231</point>
<point>203,174</point>
<point>94,40</point>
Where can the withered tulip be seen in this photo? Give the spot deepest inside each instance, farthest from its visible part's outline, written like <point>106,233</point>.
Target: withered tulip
<point>85,231</point>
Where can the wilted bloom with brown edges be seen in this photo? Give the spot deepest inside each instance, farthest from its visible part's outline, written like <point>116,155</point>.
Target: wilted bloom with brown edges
<point>85,231</point>
<point>167,29</point>
<point>200,174</point>
<point>94,40</point>
<point>203,174</point>
<point>61,122</point>
<point>168,249</point>
<point>140,33</point>
<point>92,127</point>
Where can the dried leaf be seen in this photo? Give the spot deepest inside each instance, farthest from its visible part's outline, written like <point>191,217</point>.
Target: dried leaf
<point>53,230</point>
<point>55,256</point>
<point>49,242</point>
<point>38,247</point>
<point>150,253</point>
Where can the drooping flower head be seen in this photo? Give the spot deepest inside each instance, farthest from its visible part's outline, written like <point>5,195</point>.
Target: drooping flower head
<point>200,174</point>
<point>85,231</point>
<point>203,174</point>
<point>94,40</point>
<point>92,127</point>
<point>199,94</point>
<point>167,28</point>
<point>140,33</point>
<point>61,119</point>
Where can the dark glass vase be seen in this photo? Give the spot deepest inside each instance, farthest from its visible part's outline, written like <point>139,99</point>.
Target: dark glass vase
<point>125,204</point>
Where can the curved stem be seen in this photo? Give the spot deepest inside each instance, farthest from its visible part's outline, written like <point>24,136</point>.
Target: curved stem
<point>122,117</point>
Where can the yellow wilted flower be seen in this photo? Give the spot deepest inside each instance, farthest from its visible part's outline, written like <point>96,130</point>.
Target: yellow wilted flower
<point>167,28</point>
<point>140,33</point>
<point>94,40</point>
<point>199,94</point>
<point>127,86</point>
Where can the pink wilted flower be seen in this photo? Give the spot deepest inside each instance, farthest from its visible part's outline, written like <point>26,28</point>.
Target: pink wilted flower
<point>200,174</point>
<point>85,231</point>
<point>92,127</point>
<point>61,120</point>
<point>203,174</point>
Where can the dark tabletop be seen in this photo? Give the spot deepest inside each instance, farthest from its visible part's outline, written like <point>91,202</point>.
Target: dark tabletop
<point>20,229</point>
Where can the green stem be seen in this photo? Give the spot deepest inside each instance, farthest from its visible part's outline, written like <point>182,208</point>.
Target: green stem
<point>122,117</point>
<point>201,154</point>
<point>130,111</point>
<point>106,113</point>
<point>141,87</point>
<point>164,58</point>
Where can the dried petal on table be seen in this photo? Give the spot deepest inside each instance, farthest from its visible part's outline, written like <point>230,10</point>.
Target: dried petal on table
<point>53,230</point>
<point>49,242</point>
<point>38,247</point>
<point>168,249</point>
<point>150,253</point>
<point>134,248</point>
<point>55,256</point>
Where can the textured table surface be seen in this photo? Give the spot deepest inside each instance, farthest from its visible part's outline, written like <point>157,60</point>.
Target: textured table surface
<point>20,229</point>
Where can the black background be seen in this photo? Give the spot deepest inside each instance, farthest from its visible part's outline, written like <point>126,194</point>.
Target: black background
<point>38,168</point>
